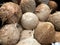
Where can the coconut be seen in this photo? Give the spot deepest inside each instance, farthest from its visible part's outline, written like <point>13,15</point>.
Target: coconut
<point>10,12</point>
<point>9,34</point>
<point>26,34</point>
<point>29,20</point>
<point>42,11</point>
<point>28,41</point>
<point>52,5</point>
<point>44,33</point>
<point>55,19</point>
<point>57,37</point>
<point>28,5</point>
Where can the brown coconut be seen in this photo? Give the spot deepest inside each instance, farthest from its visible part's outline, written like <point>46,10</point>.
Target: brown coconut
<point>9,34</point>
<point>55,19</point>
<point>10,12</point>
<point>44,33</point>
<point>29,20</point>
<point>57,37</point>
<point>42,11</point>
<point>52,4</point>
<point>28,5</point>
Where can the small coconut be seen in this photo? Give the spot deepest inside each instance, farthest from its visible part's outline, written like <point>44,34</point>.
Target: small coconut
<point>44,33</point>
<point>26,34</point>
<point>52,5</point>
<point>28,5</point>
<point>10,12</point>
<point>55,19</point>
<point>28,41</point>
<point>29,20</point>
<point>9,34</point>
<point>57,37</point>
<point>42,11</point>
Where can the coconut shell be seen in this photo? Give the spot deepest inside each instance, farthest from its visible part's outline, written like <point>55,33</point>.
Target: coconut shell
<point>28,5</point>
<point>28,41</point>
<point>55,19</point>
<point>29,20</point>
<point>57,37</point>
<point>10,12</point>
<point>26,34</point>
<point>9,34</point>
<point>52,4</point>
<point>44,33</point>
<point>42,11</point>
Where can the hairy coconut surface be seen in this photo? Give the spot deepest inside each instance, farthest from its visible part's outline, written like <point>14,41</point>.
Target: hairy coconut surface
<point>10,12</point>
<point>9,34</point>
<point>44,33</point>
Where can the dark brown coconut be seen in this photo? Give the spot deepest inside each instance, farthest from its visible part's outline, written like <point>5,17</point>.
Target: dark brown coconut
<point>28,5</point>
<point>44,33</point>
<point>10,12</point>
<point>9,34</point>
<point>55,19</point>
<point>57,37</point>
<point>42,11</point>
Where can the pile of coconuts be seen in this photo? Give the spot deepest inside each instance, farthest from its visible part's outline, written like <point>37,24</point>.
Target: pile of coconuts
<point>29,22</point>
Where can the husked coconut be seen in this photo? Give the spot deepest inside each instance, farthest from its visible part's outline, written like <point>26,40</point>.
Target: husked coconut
<point>42,11</point>
<point>28,41</point>
<point>28,5</point>
<point>29,20</point>
<point>55,19</point>
<point>45,33</point>
<point>52,5</point>
<point>57,37</point>
<point>26,34</point>
<point>9,34</point>
<point>10,12</point>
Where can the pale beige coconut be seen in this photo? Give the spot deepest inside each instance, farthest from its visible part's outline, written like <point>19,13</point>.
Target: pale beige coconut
<point>57,37</point>
<point>26,34</point>
<point>55,19</point>
<point>28,41</point>
<point>28,5</point>
<point>44,33</point>
<point>9,34</point>
<point>29,20</point>
<point>42,11</point>
<point>10,12</point>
